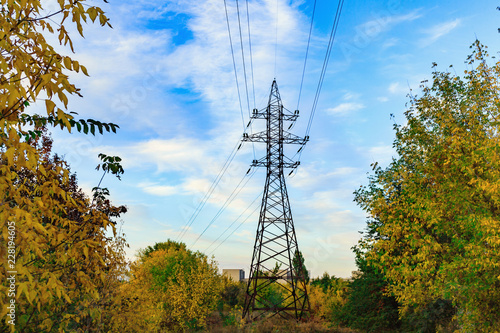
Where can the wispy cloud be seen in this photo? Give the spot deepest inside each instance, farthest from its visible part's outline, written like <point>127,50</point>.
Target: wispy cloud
<point>390,43</point>
<point>380,24</point>
<point>345,108</point>
<point>438,31</point>
<point>160,190</point>
<point>350,105</point>
<point>398,88</point>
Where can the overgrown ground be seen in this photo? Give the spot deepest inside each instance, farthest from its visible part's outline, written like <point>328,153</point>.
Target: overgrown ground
<point>274,325</point>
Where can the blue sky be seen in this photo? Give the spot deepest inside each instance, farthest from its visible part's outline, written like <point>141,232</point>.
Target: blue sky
<point>165,75</point>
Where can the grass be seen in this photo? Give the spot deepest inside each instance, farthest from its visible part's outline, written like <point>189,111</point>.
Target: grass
<point>275,325</point>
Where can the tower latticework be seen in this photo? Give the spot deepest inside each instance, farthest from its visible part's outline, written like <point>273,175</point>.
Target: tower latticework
<point>277,281</point>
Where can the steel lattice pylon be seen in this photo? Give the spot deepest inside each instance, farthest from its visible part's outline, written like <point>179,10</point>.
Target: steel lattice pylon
<point>277,281</point>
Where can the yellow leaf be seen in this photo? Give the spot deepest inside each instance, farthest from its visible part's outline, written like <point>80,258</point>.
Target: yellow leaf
<point>50,106</point>
<point>67,62</point>
<point>84,70</point>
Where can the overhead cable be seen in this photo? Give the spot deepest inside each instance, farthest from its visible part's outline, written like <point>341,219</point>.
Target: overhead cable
<point>307,52</point>
<point>251,56</point>
<point>234,66</point>
<point>244,65</point>
<point>325,64</point>
<point>230,199</point>
<point>236,220</point>
<point>323,70</point>
<point>210,190</point>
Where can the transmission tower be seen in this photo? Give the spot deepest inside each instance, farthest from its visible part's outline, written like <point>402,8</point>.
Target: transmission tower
<point>276,283</point>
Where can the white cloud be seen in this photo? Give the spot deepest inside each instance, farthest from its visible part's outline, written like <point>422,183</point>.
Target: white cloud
<point>312,177</point>
<point>161,190</point>
<point>398,88</point>
<point>438,31</point>
<point>379,24</point>
<point>390,42</point>
<point>345,108</point>
<point>383,99</point>
<point>350,96</point>
<point>185,155</point>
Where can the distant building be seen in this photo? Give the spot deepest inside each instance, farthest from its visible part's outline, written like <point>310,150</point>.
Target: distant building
<point>236,275</point>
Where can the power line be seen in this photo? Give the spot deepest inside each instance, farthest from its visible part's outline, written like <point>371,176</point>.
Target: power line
<point>243,56</point>
<point>234,65</point>
<point>313,109</point>
<point>323,72</point>
<point>210,190</point>
<point>229,227</point>
<point>325,63</point>
<point>244,66</point>
<point>307,52</point>
<point>230,199</point>
<point>242,222</point>
<point>250,47</point>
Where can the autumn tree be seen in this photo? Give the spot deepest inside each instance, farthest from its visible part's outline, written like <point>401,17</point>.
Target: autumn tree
<point>67,263</point>
<point>171,288</point>
<point>327,296</point>
<point>30,67</point>
<point>438,202</point>
<point>62,251</point>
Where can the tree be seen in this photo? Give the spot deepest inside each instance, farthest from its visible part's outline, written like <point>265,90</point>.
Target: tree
<point>67,265</point>
<point>327,296</point>
<point>299,267</point>
<point>29,65</point>
<point>325,281</point>
<point>437,204</point>
<point>175,287</point>
<point>367,306</point>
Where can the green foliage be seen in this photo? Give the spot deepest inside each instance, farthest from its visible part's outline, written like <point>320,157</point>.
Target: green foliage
<point>325,282</point>
<point>233,293</point>
<point>111,164</point>
<point>327,297</point>
<point>299,267</point>
<point>436,207</point>
<point>271,295</point>
<point>81,125</point>
<point>367,307</point>
<point>435,317</point>
<point>168,245</point>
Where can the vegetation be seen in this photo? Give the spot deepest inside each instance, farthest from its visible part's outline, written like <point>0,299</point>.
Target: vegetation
<point>435,226</point>
<point>428,262</point>
<point>176,287</point>
<point>63,246</point>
